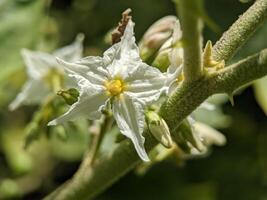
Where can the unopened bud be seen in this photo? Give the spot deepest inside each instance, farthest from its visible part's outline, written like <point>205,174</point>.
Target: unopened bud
<point>156,36</point>
<point>70,96</point>
<point>61,133</point>
<point>171,52</point>
<point>162,60</point>
<point>159,128</point>
<point>188,138</point>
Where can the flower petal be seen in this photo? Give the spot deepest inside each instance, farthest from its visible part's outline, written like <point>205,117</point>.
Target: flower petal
<point>73,51</point>
<point>91,100</point>
<point>32,92</point>
<point>111,54</point>
<point>145,83</point>
<point>129,115</point>
<point>129,49</point>
<point>93,71</point>
<point>38,63</point>
<point>123,54</point>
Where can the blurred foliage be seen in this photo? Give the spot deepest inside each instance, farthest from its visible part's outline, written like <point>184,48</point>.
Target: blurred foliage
<point>236,171</point>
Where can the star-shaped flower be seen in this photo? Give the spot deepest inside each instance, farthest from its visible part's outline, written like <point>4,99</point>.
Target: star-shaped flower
<point>42,69</point>
<point>121,79</point>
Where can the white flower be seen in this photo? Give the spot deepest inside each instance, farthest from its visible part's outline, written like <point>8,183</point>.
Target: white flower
<point>119,78</point>
<point>40,66</point>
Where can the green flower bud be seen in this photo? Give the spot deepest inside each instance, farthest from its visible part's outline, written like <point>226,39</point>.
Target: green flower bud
<point>188,138</point>
<point>171,52</point>
<point>162,61</point>
<point>159,128</point>
<point>70,96</point>
<point>61,133</point>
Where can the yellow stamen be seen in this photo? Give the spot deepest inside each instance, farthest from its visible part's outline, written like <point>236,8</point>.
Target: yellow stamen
<point>114,87</point>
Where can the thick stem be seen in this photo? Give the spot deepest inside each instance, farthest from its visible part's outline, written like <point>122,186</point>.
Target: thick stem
<point>109,169</point>
<point>189,12</point>
<point>96,178</point>
<point>240,31</point>
<point>189,96</point>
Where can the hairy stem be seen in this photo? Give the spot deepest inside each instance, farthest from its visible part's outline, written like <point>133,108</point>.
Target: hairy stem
<point>189,96</point>
<point>104,172</point>
<point>192,40</point>
<point>240,31</point>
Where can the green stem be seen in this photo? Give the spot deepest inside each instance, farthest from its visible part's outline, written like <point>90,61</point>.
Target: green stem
<point>240,31</point>
<point>191,23</point>
<point>96,178</point>
<point>189,96</point>
<point>97,140</point>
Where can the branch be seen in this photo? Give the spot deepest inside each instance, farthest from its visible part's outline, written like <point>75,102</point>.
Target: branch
<point>190,95</point>
<point>192,40</point>
<point>106,171</point>
<point>240,31</point>
<point>102,174</point>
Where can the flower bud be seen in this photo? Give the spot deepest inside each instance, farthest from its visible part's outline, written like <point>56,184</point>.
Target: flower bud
<point>61,133</point>
<point>188,138</point>
<point>159,128</point>
<point>171,52</point>
<point>70,96</point>
<point>156,36</point>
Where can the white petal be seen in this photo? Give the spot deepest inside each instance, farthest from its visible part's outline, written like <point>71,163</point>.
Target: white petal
<point>33,91</point>
<point>145,83</point>
<point>91,100</point>
<point>129,49</point>
<point>124,54</point>
<point>96,74</point>
<point>73,51</point>
<point>111,54</point>
<point>38,63</point>
<point>129,115</point>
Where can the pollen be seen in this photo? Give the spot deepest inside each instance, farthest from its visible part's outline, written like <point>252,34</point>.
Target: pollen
<point>114,87</point>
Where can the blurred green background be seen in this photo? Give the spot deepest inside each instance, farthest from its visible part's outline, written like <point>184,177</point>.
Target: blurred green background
<point>237,171</point>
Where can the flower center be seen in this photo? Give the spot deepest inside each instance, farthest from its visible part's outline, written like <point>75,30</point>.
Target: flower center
<point>114,87</point>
